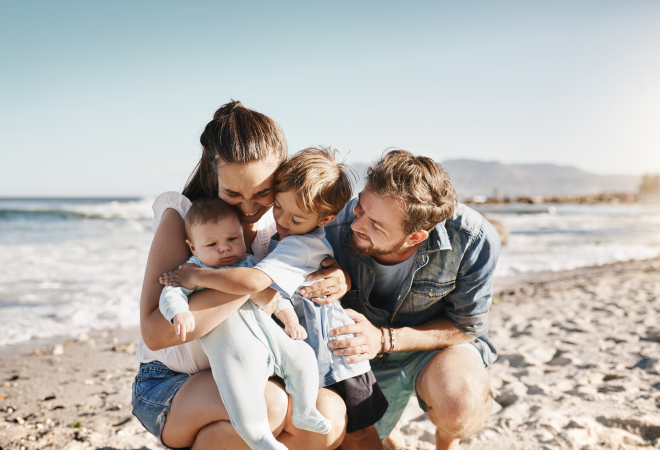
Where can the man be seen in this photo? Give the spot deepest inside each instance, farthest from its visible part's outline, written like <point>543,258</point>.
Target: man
<point>421,267</point>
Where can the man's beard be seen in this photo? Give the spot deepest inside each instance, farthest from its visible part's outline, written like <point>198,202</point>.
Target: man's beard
<point>371,250</point>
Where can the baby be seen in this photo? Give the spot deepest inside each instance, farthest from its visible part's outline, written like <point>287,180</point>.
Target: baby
<point>311,188</point>
<point>248,347</point>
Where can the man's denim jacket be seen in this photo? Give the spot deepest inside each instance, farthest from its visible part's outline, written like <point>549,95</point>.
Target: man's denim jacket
<point>452,277</point>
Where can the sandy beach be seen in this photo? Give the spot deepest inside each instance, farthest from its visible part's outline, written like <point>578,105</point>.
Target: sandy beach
<point>578,369</point>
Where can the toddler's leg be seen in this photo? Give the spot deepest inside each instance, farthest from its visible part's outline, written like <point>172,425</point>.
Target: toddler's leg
<point>301,376</point>
<point>241,367</point>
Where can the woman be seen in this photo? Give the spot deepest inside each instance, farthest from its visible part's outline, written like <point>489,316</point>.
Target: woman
<point>241,151</point>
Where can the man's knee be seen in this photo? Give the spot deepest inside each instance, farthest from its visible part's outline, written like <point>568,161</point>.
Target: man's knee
<point>456,390</point>
<point>460,414</point>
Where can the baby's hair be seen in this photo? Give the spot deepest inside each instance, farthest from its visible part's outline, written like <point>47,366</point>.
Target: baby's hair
<point>205,210</point>
<point>321,184</point>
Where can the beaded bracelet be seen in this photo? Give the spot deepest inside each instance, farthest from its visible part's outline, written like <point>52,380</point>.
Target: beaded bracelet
<point>391,340</point>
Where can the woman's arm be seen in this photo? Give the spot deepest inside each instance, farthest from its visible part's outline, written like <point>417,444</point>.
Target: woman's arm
<point>210,308</point>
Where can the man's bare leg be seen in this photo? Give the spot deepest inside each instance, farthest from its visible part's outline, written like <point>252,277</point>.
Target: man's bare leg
<point>456,388</point>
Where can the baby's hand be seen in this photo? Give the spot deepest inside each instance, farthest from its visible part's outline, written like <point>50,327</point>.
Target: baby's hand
<point>295,331</point>
<point>184,323</point>
<point>181,277</point>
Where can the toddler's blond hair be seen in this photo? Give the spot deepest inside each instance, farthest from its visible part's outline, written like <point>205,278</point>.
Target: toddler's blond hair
<point>321,184</point>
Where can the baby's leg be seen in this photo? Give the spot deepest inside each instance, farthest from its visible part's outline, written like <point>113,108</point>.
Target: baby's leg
<point>301,377</point>
<point>241,366</point>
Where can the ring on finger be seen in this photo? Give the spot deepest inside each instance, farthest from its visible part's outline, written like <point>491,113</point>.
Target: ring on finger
<point>326,291</point>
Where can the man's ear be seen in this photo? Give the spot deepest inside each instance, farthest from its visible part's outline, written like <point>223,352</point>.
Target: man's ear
<point>416,238</point>
<point>326,220</point>
<point>191,245</point>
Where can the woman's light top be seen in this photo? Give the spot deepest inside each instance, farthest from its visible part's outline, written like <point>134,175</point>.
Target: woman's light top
<point>189,357</point>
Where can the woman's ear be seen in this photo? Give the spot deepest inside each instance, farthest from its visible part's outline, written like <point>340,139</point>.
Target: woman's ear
<point>326,220</point>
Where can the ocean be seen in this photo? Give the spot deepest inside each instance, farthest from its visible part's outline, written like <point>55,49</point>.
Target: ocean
<point>74,265</point>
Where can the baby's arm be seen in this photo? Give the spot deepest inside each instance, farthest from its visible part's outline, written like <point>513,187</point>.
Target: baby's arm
<point>173,305</point>
<point>237,280</point>
<point>288,317</point>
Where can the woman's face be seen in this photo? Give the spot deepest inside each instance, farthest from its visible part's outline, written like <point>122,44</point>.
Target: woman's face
<point>249,187</point>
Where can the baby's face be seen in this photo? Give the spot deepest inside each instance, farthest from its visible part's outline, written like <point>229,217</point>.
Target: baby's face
<point>290,219</point>
<point>218,244</point>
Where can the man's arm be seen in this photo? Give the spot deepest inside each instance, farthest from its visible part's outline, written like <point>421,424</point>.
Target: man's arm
<point>432,335</point>
<point>466,310</point>
<point>370,340</point>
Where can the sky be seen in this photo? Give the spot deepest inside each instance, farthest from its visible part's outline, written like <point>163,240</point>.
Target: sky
<point>109,98</point>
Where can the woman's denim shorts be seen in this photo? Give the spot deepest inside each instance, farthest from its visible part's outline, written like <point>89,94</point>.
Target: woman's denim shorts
<point>153,390</point>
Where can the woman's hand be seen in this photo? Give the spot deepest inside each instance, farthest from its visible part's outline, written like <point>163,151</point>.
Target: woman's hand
<point>184,276</point>
<point>334,286</point>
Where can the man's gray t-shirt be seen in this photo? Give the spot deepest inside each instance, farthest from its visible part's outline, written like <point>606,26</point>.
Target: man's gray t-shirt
<point>388,283</point>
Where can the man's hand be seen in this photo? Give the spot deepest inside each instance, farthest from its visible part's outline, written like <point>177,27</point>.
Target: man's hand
<point>295,331</point>
<point>334,286</point>
<point>365,344</point>
<point>184,323</point>
<point>184,276</point>
<point>266,300</point>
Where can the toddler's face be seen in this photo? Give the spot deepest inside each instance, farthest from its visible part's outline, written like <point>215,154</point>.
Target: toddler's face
<point>218,244</point>
<point>290,219</point>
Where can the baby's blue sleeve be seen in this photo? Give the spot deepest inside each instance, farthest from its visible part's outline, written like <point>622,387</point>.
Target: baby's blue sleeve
<point>174,300</point>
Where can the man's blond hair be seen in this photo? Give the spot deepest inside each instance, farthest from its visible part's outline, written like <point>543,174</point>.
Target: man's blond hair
<point>418,181</point>
<point>321,184</point>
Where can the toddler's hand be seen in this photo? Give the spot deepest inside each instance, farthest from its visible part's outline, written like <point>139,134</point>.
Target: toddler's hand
<point>181,277</point>
<point>184,323</point>
<point>266,299</point>
<point>295,331</point>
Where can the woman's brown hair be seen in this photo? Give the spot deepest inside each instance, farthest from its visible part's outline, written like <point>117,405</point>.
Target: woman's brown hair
<point>235,135</point>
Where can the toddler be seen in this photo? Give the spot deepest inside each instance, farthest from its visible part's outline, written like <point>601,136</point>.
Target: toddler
<point>311,188</point>
<point>248,347</point>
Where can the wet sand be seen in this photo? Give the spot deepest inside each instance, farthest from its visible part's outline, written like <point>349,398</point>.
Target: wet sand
<point>579,368</point>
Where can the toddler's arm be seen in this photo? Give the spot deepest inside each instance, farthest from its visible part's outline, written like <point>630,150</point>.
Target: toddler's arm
<point>237,280</point>
<point>288,317</point>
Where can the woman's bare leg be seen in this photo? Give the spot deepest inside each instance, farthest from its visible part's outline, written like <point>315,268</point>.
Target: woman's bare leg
<point>198,414</point>
<point>331,405</point>
<point>365,439</point>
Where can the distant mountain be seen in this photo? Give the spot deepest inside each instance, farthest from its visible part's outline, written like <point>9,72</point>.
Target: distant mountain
<point>470,178</point>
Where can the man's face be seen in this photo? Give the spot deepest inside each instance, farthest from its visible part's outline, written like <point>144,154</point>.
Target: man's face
<point>378,225</point>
